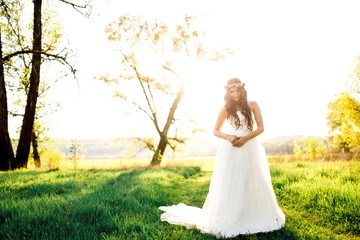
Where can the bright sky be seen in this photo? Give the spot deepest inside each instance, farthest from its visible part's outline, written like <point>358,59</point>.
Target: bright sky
<point>294,56</point>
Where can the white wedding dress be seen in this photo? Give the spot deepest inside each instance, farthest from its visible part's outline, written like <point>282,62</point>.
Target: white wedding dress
<point>241,199</point>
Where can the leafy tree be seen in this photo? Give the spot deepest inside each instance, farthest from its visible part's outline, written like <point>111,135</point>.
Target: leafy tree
<point>19,75</point>
<point>344,122</point>
<point>298,150</point>
<point>18,47</point>
<point>337,143</point>
<point>23,149</point>
<point>153,55</point>
<point>344,115</point>
<point>6,151</point>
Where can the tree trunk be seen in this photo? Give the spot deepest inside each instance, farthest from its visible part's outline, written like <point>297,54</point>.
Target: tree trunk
<point>6,151</point>
<point>23,149</point>
<point>156,160</point>
<point>35,146</point>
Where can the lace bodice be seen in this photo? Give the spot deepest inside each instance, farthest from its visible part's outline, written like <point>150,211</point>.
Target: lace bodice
<point>243,129</point>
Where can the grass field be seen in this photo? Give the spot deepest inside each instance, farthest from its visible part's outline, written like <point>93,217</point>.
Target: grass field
<point>321,200</point>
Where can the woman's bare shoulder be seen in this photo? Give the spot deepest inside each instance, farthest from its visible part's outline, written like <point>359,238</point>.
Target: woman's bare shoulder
<point>223,110</point>
<point>253,105</point>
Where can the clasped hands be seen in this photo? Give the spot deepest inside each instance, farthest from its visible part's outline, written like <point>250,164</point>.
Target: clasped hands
<point>237,141</point>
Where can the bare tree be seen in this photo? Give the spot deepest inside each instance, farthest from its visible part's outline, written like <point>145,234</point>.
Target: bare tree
<point>151,53</point>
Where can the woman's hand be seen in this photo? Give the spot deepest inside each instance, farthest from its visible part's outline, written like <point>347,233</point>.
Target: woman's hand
<point>232,139</point>
<point>239,141</point>
<point>236,141</point>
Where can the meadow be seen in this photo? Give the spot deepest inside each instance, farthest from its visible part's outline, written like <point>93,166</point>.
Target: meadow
<point>321,200</point>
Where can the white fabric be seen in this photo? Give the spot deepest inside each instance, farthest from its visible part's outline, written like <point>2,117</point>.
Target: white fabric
<point>241,199</point>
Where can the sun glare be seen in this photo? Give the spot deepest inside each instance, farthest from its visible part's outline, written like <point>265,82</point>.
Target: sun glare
<point>291,65</point>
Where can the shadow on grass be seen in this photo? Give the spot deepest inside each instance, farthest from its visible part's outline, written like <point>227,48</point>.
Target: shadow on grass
<point>123,205</point>
<point>284,233</point>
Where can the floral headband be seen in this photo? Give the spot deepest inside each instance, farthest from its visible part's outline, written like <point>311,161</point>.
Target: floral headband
<point>232,85</point>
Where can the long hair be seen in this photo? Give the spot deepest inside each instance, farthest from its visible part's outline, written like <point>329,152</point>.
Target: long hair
<point>231,106</point>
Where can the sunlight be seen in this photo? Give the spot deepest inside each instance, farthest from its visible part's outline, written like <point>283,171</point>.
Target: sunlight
<point>286,62</point>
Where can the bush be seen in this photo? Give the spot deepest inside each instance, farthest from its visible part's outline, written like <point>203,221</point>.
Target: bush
<point>311,147</point>
<point>51,157</point>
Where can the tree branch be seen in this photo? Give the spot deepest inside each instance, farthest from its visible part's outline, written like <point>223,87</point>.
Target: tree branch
<point>154,119</point>
<point>7,57</point>
<point>179,140</point>
<point>8,17</point>
<point>175,103</point>
<point>172,71</point>
<point>147,141</point>
<point>55,56</point>
<point>75,6</point>
<point>16,114</point>
<point>140,108</point>
<point>152,101</point>
<point>151,95</point>
<point>63,59</point>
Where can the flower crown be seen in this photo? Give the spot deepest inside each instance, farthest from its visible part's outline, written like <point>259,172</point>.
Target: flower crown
<point>232,85</point>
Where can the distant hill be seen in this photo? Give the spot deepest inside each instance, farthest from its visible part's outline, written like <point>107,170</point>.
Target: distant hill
<point>280,145</point>
<point>109,148</point>
<point>94,148</point>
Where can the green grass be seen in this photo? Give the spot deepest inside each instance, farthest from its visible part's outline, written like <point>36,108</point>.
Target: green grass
<point>320,201</point>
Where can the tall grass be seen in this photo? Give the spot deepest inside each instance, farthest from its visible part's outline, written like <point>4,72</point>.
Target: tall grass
<point>205,163</point>
<point>326,194</point>
<point>320,201</point>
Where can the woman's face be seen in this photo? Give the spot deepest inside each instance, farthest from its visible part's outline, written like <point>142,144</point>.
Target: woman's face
<point>235,94</point>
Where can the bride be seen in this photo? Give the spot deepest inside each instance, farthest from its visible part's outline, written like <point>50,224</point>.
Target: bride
<point>241,199</point>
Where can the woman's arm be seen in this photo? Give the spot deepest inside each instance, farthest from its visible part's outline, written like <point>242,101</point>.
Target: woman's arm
<point>259,122</point>
<point>219,123</point>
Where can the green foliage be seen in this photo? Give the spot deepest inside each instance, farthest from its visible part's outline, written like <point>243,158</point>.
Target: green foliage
<point>17,27</point>
<point>344,122</point>
<point>312,147</point>
<point>51,156</point>
<point>16,20</point>
<point>320,201</point>
<point>76,149</point>
<point>344,115</point>
<point>297,150</point>
<point>159,155</point>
